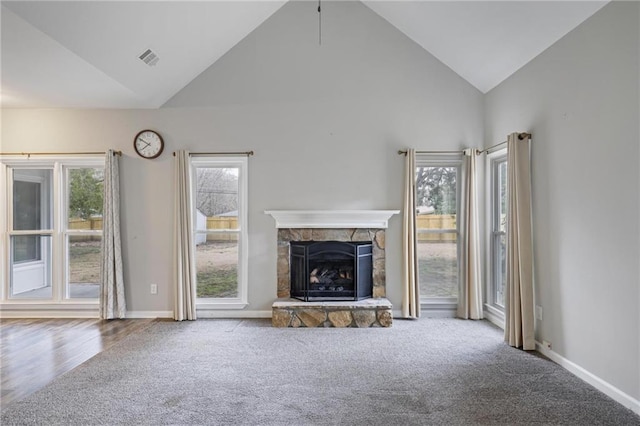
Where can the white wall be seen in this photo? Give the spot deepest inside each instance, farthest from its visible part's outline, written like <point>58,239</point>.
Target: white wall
<point>325,123</point>
<point>580,100</point>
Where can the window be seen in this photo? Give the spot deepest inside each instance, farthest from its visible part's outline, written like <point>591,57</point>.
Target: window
<point>83,231</point>
<point>498,231</point>
<point>220,231</point>
<point>30,233</point>
<point>53,229</point>
<point>437,200</point>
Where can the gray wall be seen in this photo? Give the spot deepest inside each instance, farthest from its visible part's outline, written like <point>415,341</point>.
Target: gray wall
<point>325,123</point>
<point>580,100</point>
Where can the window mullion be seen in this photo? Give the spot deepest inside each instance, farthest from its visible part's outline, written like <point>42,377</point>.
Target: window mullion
<point>5,223</point>
<point>58,255</point>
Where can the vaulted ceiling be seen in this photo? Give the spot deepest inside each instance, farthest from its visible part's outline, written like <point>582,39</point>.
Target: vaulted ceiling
<point>86,54</point>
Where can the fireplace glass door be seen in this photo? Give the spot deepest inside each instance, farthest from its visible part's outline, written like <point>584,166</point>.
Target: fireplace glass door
<point>331,270</point>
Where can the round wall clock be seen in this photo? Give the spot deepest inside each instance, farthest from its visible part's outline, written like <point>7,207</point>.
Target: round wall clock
<point>148,144</point>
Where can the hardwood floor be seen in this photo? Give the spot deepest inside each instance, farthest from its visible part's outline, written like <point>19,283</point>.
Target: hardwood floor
<point>33,352</point>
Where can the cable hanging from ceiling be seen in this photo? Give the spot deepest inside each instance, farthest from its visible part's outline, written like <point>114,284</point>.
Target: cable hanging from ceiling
<point>320,22</point>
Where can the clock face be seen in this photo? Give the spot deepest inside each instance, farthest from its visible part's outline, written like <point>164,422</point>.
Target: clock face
<point>148,144</point>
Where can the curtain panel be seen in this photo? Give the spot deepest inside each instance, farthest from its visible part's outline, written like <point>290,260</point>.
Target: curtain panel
<point>411,290</point>
<point>470,299</point>
<point>185,280</point>
<point>112,299</point>
<point>519,309</point>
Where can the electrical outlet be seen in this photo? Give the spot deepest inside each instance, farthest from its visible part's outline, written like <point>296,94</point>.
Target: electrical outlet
<point>154,288</point>
<point>539,312</point>
<point>547,345</point>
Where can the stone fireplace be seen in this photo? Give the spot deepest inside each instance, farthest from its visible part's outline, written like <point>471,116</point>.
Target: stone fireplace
<point>305,228</point>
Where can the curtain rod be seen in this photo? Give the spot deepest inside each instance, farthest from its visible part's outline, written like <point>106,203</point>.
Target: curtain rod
<point>482,151</point>
<point>521,136</point>
<point>29,154</point>
<point>401,152</point>
<point>247,153</point>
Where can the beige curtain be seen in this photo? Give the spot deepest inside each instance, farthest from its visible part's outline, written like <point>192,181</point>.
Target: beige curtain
<point>112,301</point>
<point>519,317</point>
<point>185,288</point>
<point>470,299</point>
<point>411,290</point>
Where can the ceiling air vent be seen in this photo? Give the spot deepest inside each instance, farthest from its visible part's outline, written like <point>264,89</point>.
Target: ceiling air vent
<point>149,58</point>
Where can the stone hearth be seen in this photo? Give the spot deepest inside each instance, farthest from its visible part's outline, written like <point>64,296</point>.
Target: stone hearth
<point>363,313</point>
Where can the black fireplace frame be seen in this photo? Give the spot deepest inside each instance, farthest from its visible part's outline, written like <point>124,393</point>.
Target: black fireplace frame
<point>302,253</point>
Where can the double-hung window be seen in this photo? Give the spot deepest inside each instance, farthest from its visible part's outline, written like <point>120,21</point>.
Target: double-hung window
<point>497,188</point>
<point>220,231</point>
<point>437,230</point>
<point>52,229</point>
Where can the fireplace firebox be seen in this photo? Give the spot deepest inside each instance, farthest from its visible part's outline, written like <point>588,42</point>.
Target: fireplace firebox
<point>331,270</point>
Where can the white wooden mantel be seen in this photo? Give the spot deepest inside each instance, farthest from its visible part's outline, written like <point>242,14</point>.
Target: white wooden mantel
<point>332,218</point>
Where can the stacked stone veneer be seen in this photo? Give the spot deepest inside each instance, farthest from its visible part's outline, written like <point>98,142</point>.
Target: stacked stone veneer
<point>374,312</point>
<point>285,236</point>
<point>362,313</point>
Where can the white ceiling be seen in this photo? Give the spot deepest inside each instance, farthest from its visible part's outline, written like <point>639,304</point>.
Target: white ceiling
<point>485,41</point>
<point>84,54</point>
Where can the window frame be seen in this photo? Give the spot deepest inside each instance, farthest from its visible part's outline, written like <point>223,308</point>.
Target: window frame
<point>241,163</point>
<point>493,162</point>
<point>58,264</point>
<point>444,306</point>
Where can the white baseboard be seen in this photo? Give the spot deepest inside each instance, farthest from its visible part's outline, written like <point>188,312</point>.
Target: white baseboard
<point>595,381</point>
<point>149,314</point>
<point>232,314</point>
<point>429,313</point>
<point>83,313</point>
<point>205,313</point>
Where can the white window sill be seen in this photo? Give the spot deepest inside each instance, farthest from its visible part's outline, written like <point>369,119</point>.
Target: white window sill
<point>213,305</point>
<point>439,302</point>
<point>48,304</point>
<point>439,307</point>
<point>48,309</point>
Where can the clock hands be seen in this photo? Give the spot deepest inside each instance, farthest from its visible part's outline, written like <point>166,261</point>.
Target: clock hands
<point>147,143</point>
